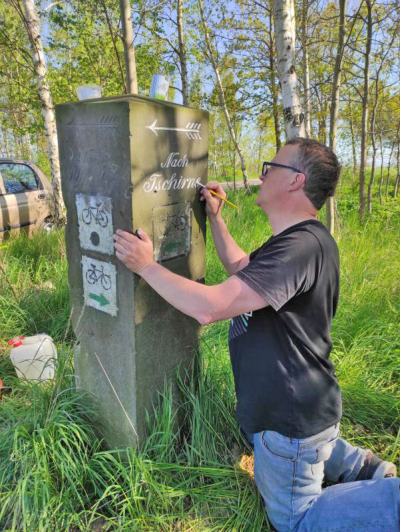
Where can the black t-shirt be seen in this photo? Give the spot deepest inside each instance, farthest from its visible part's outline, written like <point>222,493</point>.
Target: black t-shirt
<point>284,378</point>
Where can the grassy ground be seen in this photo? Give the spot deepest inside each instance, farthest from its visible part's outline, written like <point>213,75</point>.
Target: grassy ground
<point>55,475</point>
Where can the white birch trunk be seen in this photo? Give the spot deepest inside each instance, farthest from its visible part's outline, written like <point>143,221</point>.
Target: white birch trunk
<point>33,29</point>
<point>285,46</point>
<point>272,77</point>
<point>397,182</point>
<point>373,121</point>
<point>365,103</point>
<point>353,142</point>
<point>373,142</point>
<point>215,164</point>
<point>27,146</point>
<point>129,50</point>
<point>388,170</point>
<point>381,174</point>
<point>306,72</point>
<point>6,143</point>
<point>222,97</point>
<point>182,54</point>
<point>335,99</point>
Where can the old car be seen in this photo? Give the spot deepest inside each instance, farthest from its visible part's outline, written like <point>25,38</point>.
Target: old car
<point>26,198</point>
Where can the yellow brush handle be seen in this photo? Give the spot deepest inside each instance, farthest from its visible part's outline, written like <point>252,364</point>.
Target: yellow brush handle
<point>223,199</point>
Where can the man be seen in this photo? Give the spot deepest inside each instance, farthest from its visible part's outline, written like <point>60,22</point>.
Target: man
<point>282,298</point>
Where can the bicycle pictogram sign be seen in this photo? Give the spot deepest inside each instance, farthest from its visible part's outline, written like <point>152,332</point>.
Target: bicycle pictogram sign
<point>95,275</point>
<point>96,213</point>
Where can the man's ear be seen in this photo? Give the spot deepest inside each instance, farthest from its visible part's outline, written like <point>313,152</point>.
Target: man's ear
<point>297,182</point>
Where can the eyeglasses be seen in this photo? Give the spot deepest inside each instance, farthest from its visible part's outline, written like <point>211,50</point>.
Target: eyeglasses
<point>265,165</point>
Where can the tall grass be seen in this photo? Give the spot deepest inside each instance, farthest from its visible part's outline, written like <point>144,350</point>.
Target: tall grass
<point>56,474</point>
<point>34,286</point>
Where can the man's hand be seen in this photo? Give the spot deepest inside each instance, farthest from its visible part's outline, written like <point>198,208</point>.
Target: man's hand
<point>136,252</point>
<point>214,204</point>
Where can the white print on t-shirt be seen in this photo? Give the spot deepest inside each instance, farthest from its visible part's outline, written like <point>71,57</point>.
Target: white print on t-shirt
<point>239,325</point>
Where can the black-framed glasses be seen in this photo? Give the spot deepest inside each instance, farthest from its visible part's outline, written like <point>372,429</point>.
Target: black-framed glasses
<point>265,165</point>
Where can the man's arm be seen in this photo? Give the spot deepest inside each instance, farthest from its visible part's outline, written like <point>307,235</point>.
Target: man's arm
<point>204,303</point>
<point>230,254</point>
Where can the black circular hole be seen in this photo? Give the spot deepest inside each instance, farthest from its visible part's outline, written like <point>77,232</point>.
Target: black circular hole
<point>94,238</point>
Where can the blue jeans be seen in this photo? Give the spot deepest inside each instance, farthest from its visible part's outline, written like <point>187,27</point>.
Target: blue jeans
<point>289,474</point>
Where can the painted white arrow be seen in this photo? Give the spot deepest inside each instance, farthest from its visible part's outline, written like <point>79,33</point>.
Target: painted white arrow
<point>192,129</point>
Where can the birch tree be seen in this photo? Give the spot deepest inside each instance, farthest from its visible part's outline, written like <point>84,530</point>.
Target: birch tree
<point>284,23</point>
<point>334,115</point>
<point>182,53</point>
<point>210,53</point>
<point>306,71</point>
<point>129,50</point>
<point>397,181</point>
<point>383,55</point>
<point>273,86</point>
<point>31,22</point>
<point>365,103</point>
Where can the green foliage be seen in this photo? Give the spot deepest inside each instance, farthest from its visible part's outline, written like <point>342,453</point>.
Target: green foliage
<point>20,116</point>
<point>45,445</point>
<point>56,475</point>
<point>34,287</point>
<point>85,47</point>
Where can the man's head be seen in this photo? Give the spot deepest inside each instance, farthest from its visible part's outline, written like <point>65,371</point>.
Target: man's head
<point>320,166</point>
<point>305,172</point>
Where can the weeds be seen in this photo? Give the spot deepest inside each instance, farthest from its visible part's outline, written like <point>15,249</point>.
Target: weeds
<point>55,473</point>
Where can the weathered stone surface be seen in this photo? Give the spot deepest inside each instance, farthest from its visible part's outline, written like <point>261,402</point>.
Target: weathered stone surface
<point>130,162</point>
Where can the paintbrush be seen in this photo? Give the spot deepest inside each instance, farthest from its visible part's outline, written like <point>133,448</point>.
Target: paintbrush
<point>218,196</point>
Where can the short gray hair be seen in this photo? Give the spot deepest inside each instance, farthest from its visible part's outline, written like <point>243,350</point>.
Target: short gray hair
<point>320,166</point>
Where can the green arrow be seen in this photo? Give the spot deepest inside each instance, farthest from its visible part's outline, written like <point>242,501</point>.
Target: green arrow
<point>100,299</point>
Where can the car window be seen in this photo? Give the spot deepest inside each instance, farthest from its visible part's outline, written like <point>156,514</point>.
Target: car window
<point>18,178</point>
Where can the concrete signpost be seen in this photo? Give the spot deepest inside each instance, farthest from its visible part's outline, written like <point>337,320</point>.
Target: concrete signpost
<point>130,162</point>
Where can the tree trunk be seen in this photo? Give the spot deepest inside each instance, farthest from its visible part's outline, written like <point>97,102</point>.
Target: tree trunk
<point>273,87</point>
<point>182,54</point>
<point>234,156</point>
<point>114,42</point>
<point>215,164</point>
<point>365,102</point>
<point>306,71</point>
<point>2,150</point>
<point>322,127</point>
<point>260,148</point>
<point>7,144</point>
<point>397,182</point>
<point>284,24</point>
<point>129,49</point>
<point>388,172</point>
<point>27,147</point>
<point>373,116</point>
<point>353,143</point>
<point>381,174</point>
<point>32,24</point>
<point>222,98</point>
<point>372,176</point>
<point>335,99</point>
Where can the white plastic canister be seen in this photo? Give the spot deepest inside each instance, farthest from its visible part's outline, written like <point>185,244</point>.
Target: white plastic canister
<point>34,357</point>
<point>159,87</point>
<point>86,92</point>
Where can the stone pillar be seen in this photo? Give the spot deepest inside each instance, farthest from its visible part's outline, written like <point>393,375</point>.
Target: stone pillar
<point>130,162</point>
